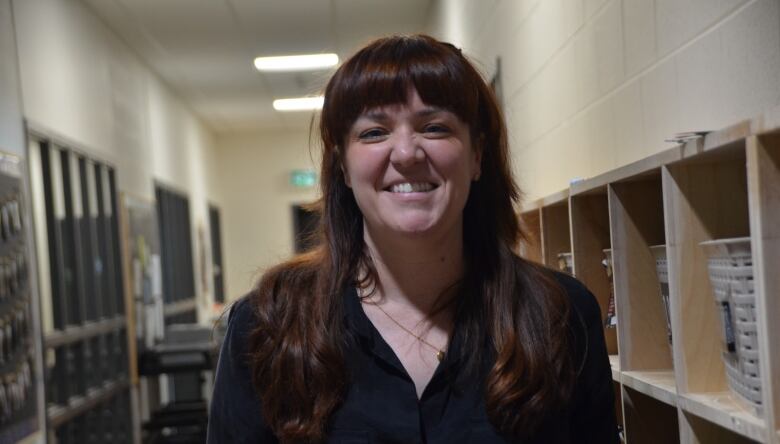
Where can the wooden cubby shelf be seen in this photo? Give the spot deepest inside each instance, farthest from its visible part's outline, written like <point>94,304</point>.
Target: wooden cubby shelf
<point>547,222</point>
<point>694,428</point>
<point>726,411</point>
<point>589,227</point>
<point>657,384</point>
<point>618,404</point>
<point>531,223</point>
<point>647,420</point>
<point>614,363</point>
<point>678,332</point>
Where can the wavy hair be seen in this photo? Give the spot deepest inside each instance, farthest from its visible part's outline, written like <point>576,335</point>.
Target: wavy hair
<point>511,305</point>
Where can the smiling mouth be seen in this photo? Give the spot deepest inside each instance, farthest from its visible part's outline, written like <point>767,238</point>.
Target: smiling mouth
<point>408,187</point>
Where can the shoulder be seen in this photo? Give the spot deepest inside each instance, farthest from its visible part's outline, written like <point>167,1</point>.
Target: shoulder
<point>234,357</point>
<point>582,304</point>
<point>585,327</point>
<point>235,411</point>
<point>241,311</point>
<point>242,320</point>
<point>563,292</point>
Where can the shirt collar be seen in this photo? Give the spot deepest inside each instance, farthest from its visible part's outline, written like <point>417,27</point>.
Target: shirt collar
<point>356,319</point>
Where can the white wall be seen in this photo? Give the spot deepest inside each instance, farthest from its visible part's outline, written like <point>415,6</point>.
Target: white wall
<point>11,123</point>
<point>84,86</point>
<point>590,85</point>
<point>257,199</point>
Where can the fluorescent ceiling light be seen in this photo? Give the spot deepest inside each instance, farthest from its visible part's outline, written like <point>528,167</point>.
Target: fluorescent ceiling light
<point>299,104</point>
<point>296,63</point>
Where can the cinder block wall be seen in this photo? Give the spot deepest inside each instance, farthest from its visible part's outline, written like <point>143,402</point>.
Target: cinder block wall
<point>590,85</point>
<point>257,199</point>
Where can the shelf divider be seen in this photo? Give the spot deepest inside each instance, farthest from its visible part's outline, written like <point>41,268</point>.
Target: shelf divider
<point>589,237</point>
<point>763,170</point>
<point>636,224</point>
<point>658,384</point>
<point>531,247</point>
<point>614,363</point>
<point>556,232</point>
<point>694,198</point>
<point>648,421</point>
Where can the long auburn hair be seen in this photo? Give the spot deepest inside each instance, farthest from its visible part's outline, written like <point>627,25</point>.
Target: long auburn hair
<point>508,308</point>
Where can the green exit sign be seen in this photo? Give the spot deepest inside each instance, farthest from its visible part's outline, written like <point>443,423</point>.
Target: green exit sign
<point>303,178</point>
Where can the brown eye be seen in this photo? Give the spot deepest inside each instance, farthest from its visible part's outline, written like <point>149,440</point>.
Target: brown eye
<point>372,134</point>
<point>436,129</point>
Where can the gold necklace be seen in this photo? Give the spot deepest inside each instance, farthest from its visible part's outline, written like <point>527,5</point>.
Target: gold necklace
<point>439,352</point>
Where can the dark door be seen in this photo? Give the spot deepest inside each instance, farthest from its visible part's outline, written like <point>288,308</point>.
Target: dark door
<point>216,254</point>
<point>305,223</point>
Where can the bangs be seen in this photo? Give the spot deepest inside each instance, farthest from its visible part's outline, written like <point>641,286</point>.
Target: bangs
<point>385,73</point>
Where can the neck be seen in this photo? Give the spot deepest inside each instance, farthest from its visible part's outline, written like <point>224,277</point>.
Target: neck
<point>417,272</point>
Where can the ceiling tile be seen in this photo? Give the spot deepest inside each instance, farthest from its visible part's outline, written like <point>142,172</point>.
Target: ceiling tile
<point>203,49</point>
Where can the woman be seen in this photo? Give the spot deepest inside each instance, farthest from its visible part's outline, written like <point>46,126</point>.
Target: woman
<point>414,320</point>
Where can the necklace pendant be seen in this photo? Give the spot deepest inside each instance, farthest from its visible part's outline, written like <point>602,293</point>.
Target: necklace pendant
<point>440,355</point>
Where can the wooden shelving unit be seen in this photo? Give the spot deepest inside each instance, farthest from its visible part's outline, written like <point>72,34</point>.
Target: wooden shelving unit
<point>589,215</point>
<point>619,402</point>
<point>669,372</point>
<point>659,385</point>
<point>648,420</point>
<point>614,362</point>
<point>531,223</point>
<point>547,223</point>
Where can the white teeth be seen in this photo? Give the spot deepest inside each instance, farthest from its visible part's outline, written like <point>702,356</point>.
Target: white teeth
<point>419,187</point>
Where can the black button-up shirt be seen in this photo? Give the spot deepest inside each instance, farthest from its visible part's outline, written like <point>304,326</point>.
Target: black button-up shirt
<point>381,404</point>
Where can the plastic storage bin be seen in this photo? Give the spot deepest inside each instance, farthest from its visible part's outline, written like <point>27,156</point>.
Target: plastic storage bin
<point>611,319</point>
<point>565,263</point>
<point>662,269</point>
<point>730,267</point>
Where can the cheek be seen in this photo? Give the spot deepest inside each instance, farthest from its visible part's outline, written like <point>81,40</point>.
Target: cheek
<point>457,168</point>
<point>347,179</point>
<point>363,168</point>
<point>351,168</point>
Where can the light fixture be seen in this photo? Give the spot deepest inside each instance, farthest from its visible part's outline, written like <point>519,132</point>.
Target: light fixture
<point>296,62</point>
<point>299,104</point>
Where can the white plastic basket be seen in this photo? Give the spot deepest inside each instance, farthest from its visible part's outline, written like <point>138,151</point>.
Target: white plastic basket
<point>565,262</point>
<point>611,319</point>
<point>662,269</point>
<point>745,386</point>
<point>730,267</point>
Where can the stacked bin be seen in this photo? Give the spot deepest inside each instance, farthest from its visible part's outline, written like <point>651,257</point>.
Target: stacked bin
<point>730,267</point>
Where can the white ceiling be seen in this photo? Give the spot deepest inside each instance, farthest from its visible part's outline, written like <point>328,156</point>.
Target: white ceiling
<point>203,49</point>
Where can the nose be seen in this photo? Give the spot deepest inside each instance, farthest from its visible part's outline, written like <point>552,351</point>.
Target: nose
<point>406,150</point>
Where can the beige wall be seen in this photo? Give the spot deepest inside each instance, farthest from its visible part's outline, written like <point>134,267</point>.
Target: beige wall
<point>81,82</point>
<point>11,126</point>
<point>256,201</point>
<point>590,85</point>
<point>82,86</point>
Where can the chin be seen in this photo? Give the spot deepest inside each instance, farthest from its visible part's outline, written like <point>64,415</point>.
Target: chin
<point>415,233</point>
<point>415,228</point>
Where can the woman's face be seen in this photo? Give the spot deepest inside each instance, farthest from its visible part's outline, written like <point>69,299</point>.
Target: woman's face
<point>410,167</point>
